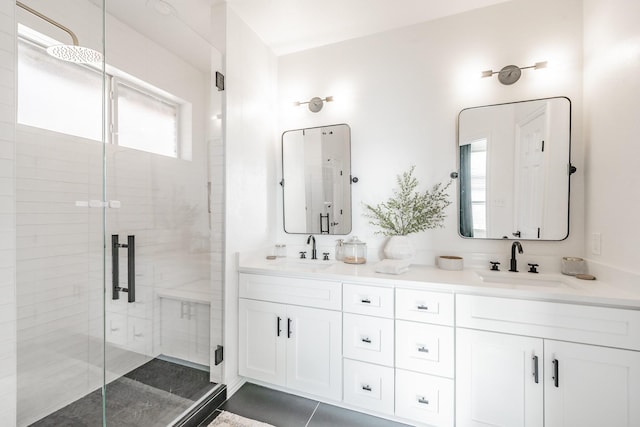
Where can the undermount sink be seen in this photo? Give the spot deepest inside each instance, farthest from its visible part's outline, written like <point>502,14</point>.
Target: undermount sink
<point>316,264</point>
<point>531,279</point>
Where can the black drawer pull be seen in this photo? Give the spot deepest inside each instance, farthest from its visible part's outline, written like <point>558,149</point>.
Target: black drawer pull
<point>535,369</point>
<point>423,349</point>
<point>423,307</point>
<point>556,372</point>
<point>366,387</point>
<point>423,400</point>
<point>366,340</point>
<point>365,301</point>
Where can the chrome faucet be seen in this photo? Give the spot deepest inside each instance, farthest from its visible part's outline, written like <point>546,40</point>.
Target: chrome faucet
<point>310,239</point>
<point>514,263</point>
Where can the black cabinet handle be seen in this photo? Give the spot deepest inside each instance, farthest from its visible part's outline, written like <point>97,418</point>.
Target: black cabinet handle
<point>366,387</point>
<point>366,340</point>
<point>423,307</point>
<point>423,349</point>
<point>556,371</point>
<point>131,267</point>
<point>288,328</point>
<point>535,369</point>
<point>278,329</point>
<point>365,301</point>
<point>423,400</point>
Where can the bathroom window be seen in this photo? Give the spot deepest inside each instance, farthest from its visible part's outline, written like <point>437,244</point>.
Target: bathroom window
<point>67,98</point>
<point>57,95</point>
<point>145,122</point>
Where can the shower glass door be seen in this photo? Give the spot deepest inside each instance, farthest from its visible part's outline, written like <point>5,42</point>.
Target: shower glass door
<point>119,263</point>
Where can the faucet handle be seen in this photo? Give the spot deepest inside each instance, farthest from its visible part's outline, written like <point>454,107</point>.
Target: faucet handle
<point>303,254</point>
<point>532,268</point>
<point>325,256</point>
<point>494,265</point>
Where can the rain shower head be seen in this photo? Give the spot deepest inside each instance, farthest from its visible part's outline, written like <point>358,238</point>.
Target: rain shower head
<point>70,53</point>
<point>74,53</point>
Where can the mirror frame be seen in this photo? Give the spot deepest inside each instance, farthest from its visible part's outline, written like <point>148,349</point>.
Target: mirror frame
<point>349,177</point>
<point>570,171</point>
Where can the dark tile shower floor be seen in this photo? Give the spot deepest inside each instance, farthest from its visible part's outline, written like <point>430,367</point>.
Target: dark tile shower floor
<point>152,395</point>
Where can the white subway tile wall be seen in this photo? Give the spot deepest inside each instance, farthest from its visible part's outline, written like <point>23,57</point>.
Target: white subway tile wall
<point>7,216</point>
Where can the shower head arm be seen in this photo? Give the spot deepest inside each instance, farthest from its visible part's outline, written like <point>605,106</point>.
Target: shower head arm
<point>49,20</point>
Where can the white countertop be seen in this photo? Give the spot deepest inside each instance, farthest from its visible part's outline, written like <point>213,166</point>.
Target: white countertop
<point>544,287</point>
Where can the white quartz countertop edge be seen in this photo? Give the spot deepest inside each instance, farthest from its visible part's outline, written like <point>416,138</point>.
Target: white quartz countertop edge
<point>467,281</point>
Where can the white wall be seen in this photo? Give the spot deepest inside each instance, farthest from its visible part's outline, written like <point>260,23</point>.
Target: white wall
<point>250,175</point>
<point>7,216</point>
<point>612,87</point>
<point>401,92</point>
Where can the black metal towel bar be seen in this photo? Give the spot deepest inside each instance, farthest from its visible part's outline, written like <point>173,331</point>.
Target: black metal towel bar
<point>131,267</point>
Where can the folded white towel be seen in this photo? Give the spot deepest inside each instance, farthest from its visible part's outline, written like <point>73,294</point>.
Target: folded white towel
<point>393,266</point>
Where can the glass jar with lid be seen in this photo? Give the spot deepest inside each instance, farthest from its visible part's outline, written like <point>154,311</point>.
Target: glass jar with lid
<point>354,251</point>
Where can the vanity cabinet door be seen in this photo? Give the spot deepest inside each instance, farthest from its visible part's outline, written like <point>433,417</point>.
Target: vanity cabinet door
<point>595,387</point>
<point>263,340</point>
<point>314,351</point>
<point>496,381</point>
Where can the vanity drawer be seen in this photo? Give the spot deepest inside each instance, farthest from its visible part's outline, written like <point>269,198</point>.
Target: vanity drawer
<point>288,290</point>
<point>424,306</point>
<point>368,338</point>
<point>369,386</point>
<point>424,348</point>
<point>369,300</point>
<point>424,398</point>
<point>612,327</point>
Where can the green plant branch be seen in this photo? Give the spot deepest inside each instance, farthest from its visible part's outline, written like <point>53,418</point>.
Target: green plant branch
<point>409,210</point>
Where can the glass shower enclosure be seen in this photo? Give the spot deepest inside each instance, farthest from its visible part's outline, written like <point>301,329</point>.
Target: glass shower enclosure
<point>118,230</point>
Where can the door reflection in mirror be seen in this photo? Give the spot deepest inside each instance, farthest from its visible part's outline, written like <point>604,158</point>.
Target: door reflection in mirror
<point>316,172</point>
<point>514,168</point>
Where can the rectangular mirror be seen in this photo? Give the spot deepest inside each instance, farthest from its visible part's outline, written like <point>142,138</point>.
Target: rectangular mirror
<point>514,168</point>
<point>316,180</point>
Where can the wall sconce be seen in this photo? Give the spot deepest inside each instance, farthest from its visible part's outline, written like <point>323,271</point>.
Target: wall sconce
<point>315,103</point>
<point>511,73</point>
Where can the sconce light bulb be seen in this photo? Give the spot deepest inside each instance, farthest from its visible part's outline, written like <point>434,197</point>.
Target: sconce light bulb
<point>329,98</point>
<point>540,65</point>
<point>296,104</point>
<point>487,73</point>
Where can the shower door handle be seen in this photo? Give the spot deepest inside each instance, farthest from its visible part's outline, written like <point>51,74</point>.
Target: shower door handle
<point>131,267</point>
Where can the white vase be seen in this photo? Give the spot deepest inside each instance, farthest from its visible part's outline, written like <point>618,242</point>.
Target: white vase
<point>399,247</point>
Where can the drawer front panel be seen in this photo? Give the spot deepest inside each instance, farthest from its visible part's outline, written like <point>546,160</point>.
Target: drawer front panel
<point>424,348</point>
<point>369,300</point>
<point>288,290</point>
<point>369,386</point>
<point>423,398</point>
<point>368,338</point>
<point>605,326</point>
<point>424,306</point>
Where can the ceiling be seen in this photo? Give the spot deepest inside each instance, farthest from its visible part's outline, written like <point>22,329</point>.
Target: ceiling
<point>292,25</point>
<point>287,26</point>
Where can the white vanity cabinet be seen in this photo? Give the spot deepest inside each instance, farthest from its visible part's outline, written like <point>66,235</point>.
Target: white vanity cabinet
<point>531,363</point>
<point>290,333</point>
<point>424,354</point>
<point>368,347</point>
